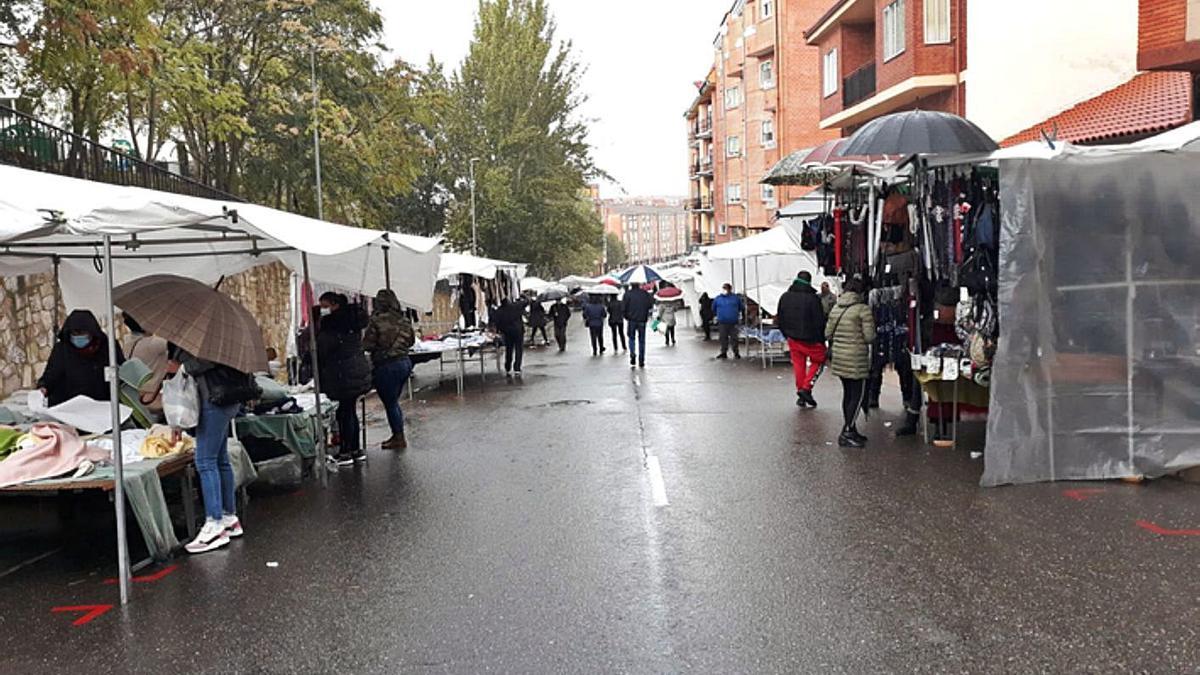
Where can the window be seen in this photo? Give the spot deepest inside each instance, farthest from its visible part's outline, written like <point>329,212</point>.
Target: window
<point>724,229</point>
<point>937,22</point>
<point>768,133</point>
<point>733,194</point>
<point>765,9</point>
<point>733,146</point>
<point>733,97</point>
<point>768,194</point>
<point>830,74</point>
<point>766,74</point>
<point>894,27</point>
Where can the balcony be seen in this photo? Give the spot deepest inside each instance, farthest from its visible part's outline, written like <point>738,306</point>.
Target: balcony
<point>705,168</point>
<point>699,203</point>
<point>30,143</point>
<point>858,86</point>
<point>705,129</point>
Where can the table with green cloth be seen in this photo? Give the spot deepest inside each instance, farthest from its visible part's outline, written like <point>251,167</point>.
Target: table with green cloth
<point>297,432</point>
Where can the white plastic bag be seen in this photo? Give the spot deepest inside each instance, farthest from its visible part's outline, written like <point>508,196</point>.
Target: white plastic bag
<point>181,401</point>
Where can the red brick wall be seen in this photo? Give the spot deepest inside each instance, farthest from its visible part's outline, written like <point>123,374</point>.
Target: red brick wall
<point>1161,23</point>
<point>919,58</point>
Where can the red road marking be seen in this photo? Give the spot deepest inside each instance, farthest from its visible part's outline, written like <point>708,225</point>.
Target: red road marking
<point>90,612</point>
<point>1081,494</point>
<point>1162,531</point>
<point>149,578</point>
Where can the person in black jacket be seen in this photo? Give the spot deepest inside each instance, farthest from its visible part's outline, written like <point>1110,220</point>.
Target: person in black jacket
<point>77,362</point>
<point>594,315</point>
<point>801,319</point>
<point>507,320</point>
<point>616,321</point>
<point>561,314</point>
<point>638,305</point>
<point>706,316</point>
<point>345,371</point>
<point>537,322</point>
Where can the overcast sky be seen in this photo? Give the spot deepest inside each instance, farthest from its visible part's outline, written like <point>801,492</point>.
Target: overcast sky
<point>642,57</point>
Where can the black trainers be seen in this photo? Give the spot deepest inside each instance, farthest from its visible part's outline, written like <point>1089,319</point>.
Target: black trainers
<point>344,460</point>
<point>360,458</point>
<point>861,439</point>
<point>807,397</point>
<point>846,440</point>
<point>722,356</point>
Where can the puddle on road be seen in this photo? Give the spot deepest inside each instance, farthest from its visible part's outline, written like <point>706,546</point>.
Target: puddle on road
<point>568,403</point>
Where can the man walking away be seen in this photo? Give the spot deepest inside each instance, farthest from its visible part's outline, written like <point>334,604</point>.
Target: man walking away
<point>594,315</point>
<point>828,299</point>
<point>507,320</point>
<point>706,316</point>
<point>801,319</point>
<point>560,314</point>
<point>728,310</point>
<point>616,322</point>
<point>637,308</point>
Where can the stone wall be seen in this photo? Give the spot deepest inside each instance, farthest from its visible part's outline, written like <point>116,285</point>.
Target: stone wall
<point>30,312</point>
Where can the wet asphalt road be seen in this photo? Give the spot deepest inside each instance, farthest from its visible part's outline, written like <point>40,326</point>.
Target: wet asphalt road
<point>524,532</point>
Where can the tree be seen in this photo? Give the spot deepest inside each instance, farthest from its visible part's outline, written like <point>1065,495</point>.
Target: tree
<point>617,255</point>
<point>514,104</point>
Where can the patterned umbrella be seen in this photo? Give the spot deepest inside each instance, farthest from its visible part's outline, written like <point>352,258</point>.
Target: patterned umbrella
<point>207,323</point>
<point>640,274</point>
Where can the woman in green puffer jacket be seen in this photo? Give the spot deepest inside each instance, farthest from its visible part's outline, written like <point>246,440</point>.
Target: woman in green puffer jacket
<point>850,330</point>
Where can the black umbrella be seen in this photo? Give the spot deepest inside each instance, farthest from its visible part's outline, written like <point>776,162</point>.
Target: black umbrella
<point>919,132</point>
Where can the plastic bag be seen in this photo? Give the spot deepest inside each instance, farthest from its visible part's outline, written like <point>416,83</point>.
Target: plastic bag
<point>181,401</point>
<point>654,326</point>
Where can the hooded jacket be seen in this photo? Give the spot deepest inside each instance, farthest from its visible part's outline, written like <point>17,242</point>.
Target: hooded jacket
<point>345,371</point>
<point>389,333</point>
<point>638,305</point>
<point>616,312</point>
<point>594,314</point>
<point>561,314</point>
<point>801,316</point>
<point>851,330</point>
<point>72,372</point>
<point>537,315</point>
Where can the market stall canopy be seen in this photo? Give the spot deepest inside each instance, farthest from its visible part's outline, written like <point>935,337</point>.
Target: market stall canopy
<point>573,281</point>
<point>811,204</point>
<point>772,257</point>
<point>535,285</point>
<point>783,239</point>
<point>454,264</point>
<point>919,132</point>
<point>47,219</point>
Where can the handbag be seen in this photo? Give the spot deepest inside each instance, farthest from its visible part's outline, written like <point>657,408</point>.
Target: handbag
<point>227,386</point>
<point>181,401</point>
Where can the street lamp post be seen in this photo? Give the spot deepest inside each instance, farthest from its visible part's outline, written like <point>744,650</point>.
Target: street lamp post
<point>474,227</point>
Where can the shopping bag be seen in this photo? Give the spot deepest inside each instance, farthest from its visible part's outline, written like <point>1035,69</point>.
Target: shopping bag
<point>654,326</point>
<point>181,401</point>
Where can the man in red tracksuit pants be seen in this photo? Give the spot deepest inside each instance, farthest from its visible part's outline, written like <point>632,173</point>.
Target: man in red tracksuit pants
<point>801,319</point>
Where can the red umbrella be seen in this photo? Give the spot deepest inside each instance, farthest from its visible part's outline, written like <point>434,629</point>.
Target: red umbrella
<point>609,281</point>
<point>670,293</point>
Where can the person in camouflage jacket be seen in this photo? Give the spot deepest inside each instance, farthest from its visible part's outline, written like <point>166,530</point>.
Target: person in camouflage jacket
<point>389,337</point>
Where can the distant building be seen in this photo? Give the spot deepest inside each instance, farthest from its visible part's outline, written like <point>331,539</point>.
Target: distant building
<point>653,229</point>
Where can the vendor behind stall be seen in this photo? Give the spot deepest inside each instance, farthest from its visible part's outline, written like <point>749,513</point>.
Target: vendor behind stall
<point>76,365</point>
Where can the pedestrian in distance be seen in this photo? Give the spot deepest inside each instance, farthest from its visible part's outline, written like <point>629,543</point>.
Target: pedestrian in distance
<point>389,338</point>
<point>616,322</point>
<point>801,319</point>
<point>666,318</point>
<point>561,315</point>
<point>828,299</point>
<point>850,330</point>
<point>637,307</point>
<point>537,322</point>
<point>594,315</point>
<point>345,371</point>
<point>727,308</point>
<point>706,316</point>
<point>507,319</point>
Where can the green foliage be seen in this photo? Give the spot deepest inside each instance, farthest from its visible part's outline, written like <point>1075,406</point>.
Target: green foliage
<point>617,255</point>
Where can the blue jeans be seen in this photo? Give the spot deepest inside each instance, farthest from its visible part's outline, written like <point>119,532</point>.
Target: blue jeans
<point>637,340</point>
<point>212,459</point>
<point>390,379</point>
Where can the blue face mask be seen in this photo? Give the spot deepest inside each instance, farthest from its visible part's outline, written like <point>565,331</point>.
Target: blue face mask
<point>81,341</point>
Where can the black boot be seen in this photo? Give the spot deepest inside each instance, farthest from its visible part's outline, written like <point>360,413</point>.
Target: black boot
<point>911,420</point>
<point>808,398</point>
<point>849,440</point>
<point>853,432</point>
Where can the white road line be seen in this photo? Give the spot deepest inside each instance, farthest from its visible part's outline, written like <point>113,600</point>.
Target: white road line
<point>658,487</point>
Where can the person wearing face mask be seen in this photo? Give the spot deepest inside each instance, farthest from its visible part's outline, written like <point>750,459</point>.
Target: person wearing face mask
<point>345,371</point>
<point>77,362</point>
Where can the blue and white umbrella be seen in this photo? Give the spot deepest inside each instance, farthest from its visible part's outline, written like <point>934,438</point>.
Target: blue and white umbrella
<point>640,274</point>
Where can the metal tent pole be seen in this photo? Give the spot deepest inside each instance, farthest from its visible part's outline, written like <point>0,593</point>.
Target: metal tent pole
<point>746,305</point>
<point>110,373</point>
<point>316,363</point>
<point>762,338</point>
<point>387,268</point>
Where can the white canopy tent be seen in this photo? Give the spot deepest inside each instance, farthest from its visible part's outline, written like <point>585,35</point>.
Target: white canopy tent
<point>94,234</point>
<point>453,264</point>
<point>772,257</point>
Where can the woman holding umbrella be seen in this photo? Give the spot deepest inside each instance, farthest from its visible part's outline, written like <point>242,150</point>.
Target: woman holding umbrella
<point>668,300</point>
<point>345,371</point>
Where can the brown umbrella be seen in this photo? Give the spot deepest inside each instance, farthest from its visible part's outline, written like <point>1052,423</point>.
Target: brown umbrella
<point>207,323</point>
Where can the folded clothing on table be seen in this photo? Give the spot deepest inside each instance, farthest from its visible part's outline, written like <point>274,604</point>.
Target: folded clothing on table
<point>54,450</point>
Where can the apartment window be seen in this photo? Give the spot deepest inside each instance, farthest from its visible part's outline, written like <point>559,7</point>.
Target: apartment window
<point>733,194</point>
<point>765,9</point>
<point>733,146</point>
<point>937,22</point>
<point>829,73</point>
<point>733,97</point>
<point>768,194</point>
<point>723,229</point>
<point>766,74</point>
<point>894,27</point>
<point>768,133</point>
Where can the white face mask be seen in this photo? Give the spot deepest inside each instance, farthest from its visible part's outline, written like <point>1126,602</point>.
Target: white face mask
<point>326,311</point>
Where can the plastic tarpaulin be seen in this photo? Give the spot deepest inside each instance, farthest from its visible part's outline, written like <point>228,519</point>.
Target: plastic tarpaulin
<point>1097,372</point>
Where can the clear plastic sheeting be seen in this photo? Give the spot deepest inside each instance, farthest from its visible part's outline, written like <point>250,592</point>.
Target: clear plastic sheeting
<point>1097,372</point>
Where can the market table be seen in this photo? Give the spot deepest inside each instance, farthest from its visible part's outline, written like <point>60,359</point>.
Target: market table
<point>296,431</point>
<point>962,391</point>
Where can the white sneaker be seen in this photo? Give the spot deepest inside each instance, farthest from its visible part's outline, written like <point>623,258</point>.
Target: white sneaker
<point>233,526</point>
<point>212,536</point>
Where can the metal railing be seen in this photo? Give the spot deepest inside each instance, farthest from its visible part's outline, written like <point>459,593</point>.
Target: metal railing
<point>859,85</point>
<point>30,143</point>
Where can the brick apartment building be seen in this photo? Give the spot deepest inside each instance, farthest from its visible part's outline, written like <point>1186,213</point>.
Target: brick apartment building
<point>1169,35</point>
<point>759,102</point>
<point>652,229</point>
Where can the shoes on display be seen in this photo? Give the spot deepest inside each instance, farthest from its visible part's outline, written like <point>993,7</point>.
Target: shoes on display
<point>233,526</point>
<point>846,440</point>
<point>212,537</point>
